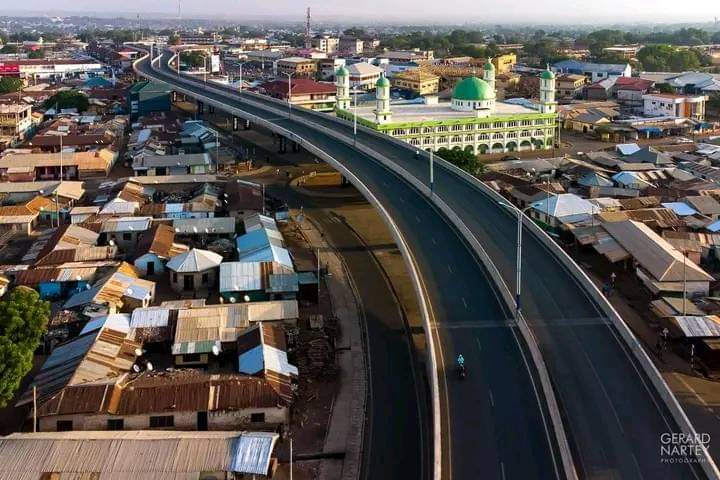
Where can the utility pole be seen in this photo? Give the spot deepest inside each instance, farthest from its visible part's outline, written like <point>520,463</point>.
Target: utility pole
<point>289,75</point>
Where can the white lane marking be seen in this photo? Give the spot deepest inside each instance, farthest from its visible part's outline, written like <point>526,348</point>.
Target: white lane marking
<point>418,219</point>
<point>502,470</point>
<point>450,268</point>
<point>402,200</point>
<point>434,241</point>
<point>478,342</point>
<point>464,302</point>
<point>492,399</point>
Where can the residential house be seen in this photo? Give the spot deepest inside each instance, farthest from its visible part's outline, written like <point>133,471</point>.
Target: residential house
<point>303,92</point>
<point>194,270</point>
<point>363,76</point>
<point>159,165</point>
<point>569,86</point>
<point>417,81</point>
<point>705,205</point>
<point>201,331</point>
<point>629,93</point>
<point>565,208</point>
<point>155,248</point>
<point>215,455</point>
<point>593,71</point>
<point>673,105</point>
<point>100,353</point>
<point>255,281</point>
<point>299,67</point>
<point>659,265</point>
<point>124,231</point>
<point>121,290</point>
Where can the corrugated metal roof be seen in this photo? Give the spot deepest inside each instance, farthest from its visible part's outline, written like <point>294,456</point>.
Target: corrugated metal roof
<point>251,453</point>
<point>126,224</point>
<point>110,455</point>
<point>204,226</point>
<point>224,322</point>
<point>240,277</point>
<point>195,260</point>
<point>698,326</point>
<point>150,317</point>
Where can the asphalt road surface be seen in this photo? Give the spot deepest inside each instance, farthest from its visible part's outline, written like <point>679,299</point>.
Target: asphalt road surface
<point>495,422</point>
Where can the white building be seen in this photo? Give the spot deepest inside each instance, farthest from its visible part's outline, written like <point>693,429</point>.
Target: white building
<point>672,105</point>
<point>473,120</point>
<point>363,76</point>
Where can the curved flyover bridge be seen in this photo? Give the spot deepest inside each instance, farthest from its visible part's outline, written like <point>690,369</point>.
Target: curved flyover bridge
<point>458,243</point>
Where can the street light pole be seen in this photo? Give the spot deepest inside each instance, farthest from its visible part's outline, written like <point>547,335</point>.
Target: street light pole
<point>432,172</point>
<point>289,75</point>
<point>518,259</point>
<point>241,84</point>
<point>354,116</point>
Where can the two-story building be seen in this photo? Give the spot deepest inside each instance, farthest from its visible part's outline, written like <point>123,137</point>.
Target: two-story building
<point>673,105</point>
<point>297,66</point>
<point>15,121</point>
<point>418,81</point>
<point>303,92</point>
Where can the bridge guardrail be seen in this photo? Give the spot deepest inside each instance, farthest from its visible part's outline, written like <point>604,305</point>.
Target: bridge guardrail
<point>658,382</point>
<point>408,257</point>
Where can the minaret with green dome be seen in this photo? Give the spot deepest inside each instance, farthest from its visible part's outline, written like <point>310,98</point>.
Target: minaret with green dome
<point>342,82</point>
<point>547,92</point>
<point>489,73</point>
<point>382,100</point>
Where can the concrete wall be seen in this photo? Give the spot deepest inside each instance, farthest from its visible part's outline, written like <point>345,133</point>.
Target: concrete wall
<point>223,420</point>
<point>177,282</point>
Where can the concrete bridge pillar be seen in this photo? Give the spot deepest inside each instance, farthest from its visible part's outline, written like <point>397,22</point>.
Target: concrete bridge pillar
<point>295,147</point>
<point>246,126</point>
<point>200,107</point>
<point>282,145</point>
<point>174,96</point>
<point>235,123</point>
<point>211,109</point>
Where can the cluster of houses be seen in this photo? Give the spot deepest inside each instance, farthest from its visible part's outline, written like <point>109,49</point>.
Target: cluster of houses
<point>170,302</point>
<point>647,212</point>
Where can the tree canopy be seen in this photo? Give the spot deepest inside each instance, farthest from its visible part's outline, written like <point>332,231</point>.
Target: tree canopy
<point>464,159</point>
<point>68,99</point>
<point>23,322</point>
<point>10,84</point>
<point>664,58</point>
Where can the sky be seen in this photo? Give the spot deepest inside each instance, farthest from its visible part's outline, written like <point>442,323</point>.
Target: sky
<point>427,11</point>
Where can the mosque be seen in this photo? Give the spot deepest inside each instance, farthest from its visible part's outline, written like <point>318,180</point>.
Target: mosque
<point>472,120</point>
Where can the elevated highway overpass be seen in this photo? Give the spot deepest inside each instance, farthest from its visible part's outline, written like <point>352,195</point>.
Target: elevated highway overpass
<point>565,390</point>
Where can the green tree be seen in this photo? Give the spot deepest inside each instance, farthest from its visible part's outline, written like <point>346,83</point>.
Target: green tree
<point>9,49</point>
<point>194,59</point>
<point>39,53</point>
<point>23,322</point>
<point>24,317</point>
<point>15,363</point>
<point>716,37</point>
<point>664,88</point>
<point>68,99</point>
<point>10,84</point>
<point>464,159</point>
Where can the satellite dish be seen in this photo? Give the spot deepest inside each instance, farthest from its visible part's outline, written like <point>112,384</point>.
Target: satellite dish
<point>138,352</point>
<point>246,298</point>
<point>136,368</point>
<point>233,299</point>
<point>216,350</point>
<point>149,366</point>
<point>111,243</point>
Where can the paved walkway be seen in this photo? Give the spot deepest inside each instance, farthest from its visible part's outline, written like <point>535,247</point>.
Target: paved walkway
<point>346,427</point>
